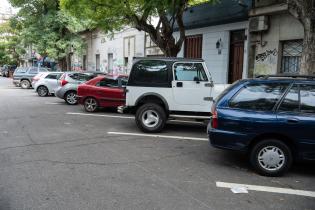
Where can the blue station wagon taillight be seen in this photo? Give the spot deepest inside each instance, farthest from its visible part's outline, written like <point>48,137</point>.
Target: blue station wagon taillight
<point>214,120</point>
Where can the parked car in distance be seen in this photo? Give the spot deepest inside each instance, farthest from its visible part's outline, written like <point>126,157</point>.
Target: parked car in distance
<point>102,91</point>
<point>271,118</point>
<point>69,82</point>
<point>47,83</point>
<point>38,77</point>
<point>23,76</point>
<point>159,89</point>
<point>7,70</point>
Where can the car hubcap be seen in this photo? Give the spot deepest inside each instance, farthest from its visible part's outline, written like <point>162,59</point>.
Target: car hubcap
<point>150,118</point>
<point>72,98</point>
<point>24,84</point>
<point>271,158</point>
<point>90,105</point>
<point>42,91</point>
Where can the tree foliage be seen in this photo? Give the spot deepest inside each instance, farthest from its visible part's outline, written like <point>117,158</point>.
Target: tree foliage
<point>111,15</point>
<point>10,48</point>
<point>49,30</point>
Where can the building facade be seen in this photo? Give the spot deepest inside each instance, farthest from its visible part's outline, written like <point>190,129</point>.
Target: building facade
<point>219,34</point>
<point>223,47</point>
<point>216,33</point>
<point>276,39</point>
<point>110,52</point>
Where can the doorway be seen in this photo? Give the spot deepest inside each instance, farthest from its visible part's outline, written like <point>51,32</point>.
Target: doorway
<point>237,39</point>
<point>110,62</point>
<point>98,62</point>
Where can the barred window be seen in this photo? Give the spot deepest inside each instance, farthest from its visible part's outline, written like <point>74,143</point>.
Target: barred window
<point>291,56</point>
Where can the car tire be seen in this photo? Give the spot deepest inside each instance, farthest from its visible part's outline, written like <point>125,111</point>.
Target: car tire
<point>151,118</point>
<point>271,157</point>
<point>90,104</point>
<point>71,97</point>
<point>25,84</point>
<point>42,91</point>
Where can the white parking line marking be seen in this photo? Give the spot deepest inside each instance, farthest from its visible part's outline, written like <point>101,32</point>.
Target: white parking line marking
<point>158,136</point>
<point>100,115</point>
<point>267,189</point>
<point>52,103</point>
<point>125,117</point>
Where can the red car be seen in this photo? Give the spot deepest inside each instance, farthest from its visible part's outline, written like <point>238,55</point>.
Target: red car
<point>102,91</point>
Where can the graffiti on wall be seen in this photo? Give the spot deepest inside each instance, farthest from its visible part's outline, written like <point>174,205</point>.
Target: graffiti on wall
<point>267,55</point>
<point>266,62</point>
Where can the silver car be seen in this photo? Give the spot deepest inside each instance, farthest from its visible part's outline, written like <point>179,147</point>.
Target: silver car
<point>69,82</point>
<point>47,83</point>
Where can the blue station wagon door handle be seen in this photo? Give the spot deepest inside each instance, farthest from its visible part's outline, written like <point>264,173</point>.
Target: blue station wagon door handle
<point>292,120</point>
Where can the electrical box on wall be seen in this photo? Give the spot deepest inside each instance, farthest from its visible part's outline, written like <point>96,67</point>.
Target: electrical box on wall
<point>258,24</point>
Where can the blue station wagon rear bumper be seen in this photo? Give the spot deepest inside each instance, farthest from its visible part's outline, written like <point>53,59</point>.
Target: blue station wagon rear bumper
<point>229,140</point>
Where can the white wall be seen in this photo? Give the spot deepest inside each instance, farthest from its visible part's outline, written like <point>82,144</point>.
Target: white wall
<point>282,27</point>
<point>218,64</point>
<point>100,43</point>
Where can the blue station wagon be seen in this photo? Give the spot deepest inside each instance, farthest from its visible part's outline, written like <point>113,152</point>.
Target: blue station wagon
<point>272,118</point>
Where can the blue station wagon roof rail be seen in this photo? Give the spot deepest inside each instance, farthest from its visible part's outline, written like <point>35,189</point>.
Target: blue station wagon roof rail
<point>293,76</point>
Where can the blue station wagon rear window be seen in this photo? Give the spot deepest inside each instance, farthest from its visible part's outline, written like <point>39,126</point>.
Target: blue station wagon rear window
<point>307,94</point>
<point>259,96</point>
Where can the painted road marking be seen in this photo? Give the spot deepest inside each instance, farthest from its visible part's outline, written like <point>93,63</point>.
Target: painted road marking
<point>267,189</point>
<point>158,136</point>
<point>100,115</point>
<point>125,117</point>
<point>53,103</point>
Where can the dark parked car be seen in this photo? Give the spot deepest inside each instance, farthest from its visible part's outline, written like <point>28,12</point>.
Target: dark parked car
<point>4,71</point>
<point>23,76</point>
<point>271,118</point>
<point>7,70</point>
<point>102,91</point>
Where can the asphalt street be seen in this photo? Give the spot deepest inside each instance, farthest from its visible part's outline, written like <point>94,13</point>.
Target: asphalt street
<point>53,156</point>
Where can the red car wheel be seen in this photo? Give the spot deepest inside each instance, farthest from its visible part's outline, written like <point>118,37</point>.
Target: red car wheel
<point>90,104</point>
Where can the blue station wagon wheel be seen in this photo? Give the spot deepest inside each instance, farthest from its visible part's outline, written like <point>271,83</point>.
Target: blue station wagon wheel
<point>271,157</point>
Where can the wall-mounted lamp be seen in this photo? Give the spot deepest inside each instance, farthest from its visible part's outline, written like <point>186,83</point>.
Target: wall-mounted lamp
<point>219,46</point>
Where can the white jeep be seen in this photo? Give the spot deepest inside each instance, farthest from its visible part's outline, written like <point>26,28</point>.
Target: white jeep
<point>160,89</point>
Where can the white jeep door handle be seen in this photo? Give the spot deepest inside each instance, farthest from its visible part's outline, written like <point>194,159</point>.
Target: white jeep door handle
<point>209,84</point>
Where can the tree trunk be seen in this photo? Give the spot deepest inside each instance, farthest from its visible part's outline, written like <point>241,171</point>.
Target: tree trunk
<point>162,34</point>
<point>68,62</point>
<point>308,54</point>
<point>63,64</point>
<point>171,50</point>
